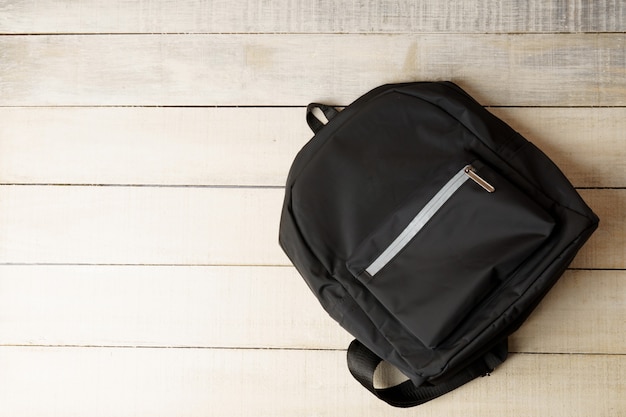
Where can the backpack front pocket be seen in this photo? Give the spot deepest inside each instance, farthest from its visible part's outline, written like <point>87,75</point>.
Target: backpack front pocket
<point>431,264</point>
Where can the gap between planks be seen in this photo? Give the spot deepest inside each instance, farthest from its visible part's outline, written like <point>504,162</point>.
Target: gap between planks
<point>275,349</point>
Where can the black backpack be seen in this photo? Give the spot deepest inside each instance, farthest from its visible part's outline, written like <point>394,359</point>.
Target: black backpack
<point>429,229</point>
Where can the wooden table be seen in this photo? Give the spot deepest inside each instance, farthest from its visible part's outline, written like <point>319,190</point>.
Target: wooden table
<point>143,150</point>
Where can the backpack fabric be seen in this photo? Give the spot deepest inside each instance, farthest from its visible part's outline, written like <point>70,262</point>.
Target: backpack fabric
<point>429,229</point>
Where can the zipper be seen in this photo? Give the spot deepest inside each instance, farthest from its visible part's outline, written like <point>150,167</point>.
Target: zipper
<point>471,172</point>
<point>425,214</point>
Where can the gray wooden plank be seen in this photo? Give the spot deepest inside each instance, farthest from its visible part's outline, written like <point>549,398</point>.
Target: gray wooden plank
<point>522,70</point>
<point>318,16</point>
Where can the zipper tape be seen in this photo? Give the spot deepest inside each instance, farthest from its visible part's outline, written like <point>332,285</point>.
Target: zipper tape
<point>425,214</point>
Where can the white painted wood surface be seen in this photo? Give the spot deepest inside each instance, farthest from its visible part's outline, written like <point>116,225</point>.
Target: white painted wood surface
<point>139,268</point>
<point>306,16</point>
<point>204,226</point>
<point>184,306</point>
<point>216,382</point>
<point>295,69</point>
<point>140,225</point>
<point>250,146</point>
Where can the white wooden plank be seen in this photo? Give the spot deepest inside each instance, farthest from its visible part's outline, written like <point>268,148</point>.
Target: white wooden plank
<point>585,312</point>
<point>526,70</point>
<point>245,307</point>
<point>182,225</point>
<point>140,225</point>
<point>250,146</point>
<point>255,307</point>
<point>588,145</point>
<point>172,146</point>
<point>65,382</point>
<point>605,248</point>
<point>342,16</point>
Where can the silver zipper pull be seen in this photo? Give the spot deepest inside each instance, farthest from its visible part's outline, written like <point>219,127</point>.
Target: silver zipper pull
<point>469,170</point>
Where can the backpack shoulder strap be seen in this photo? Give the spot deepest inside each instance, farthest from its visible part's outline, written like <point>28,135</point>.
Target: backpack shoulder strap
<point>362,363</point>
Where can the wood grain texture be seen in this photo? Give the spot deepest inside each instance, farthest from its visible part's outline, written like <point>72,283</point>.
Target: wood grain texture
<point>587,144</point>
<point>131,225</point>
<point>301,16</point>
<point>605,248</point>
<point>151,283</point>
<point>250,146</point>
<point>242,307</point>
<point>525,70</point>
<point>208,382</point>
<point>168,146</point>
<point>255,307</point>
<point>208,226</point>
<point>584,313</point>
